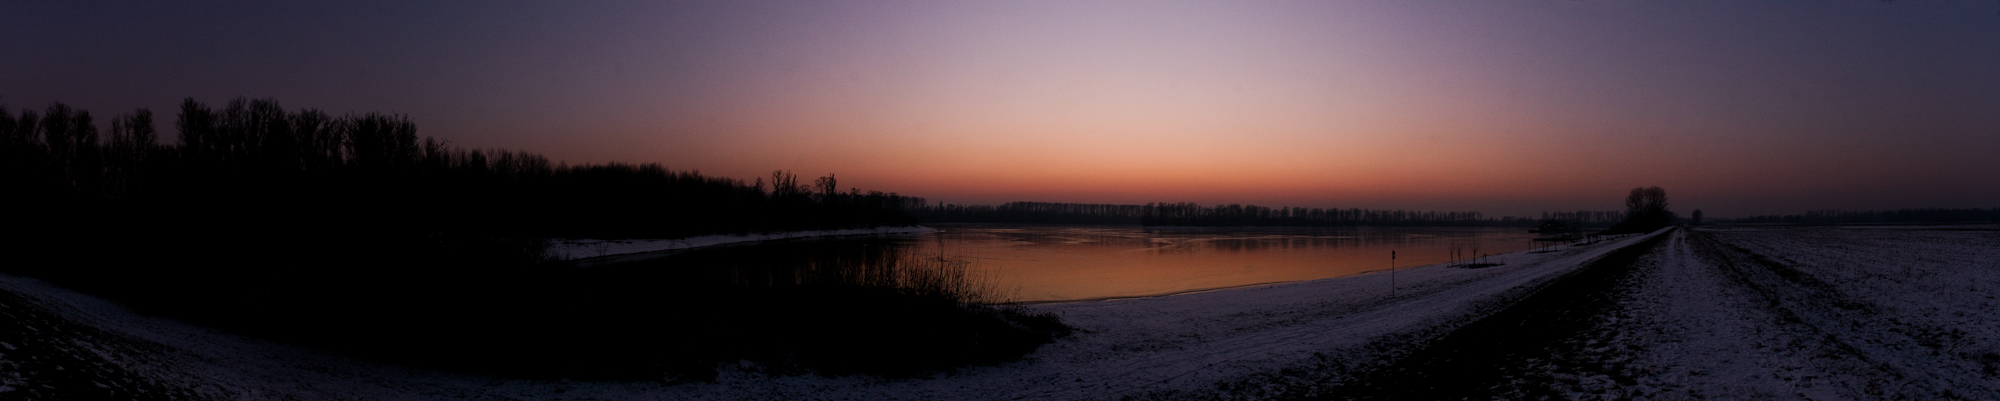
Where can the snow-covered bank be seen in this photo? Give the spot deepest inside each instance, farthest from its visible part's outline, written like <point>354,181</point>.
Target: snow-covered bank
<point>605,251</point>
<point>91,348</point>
<point>1171,345</point>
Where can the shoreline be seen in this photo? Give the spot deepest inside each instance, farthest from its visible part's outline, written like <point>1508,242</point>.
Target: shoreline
<point>1192,342</point>
<point>1155,295</point>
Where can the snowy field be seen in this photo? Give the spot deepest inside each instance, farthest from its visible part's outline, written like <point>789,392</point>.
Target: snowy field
<point>1796,313</point>
<point>1786,313</point>
<point>1913,308</point>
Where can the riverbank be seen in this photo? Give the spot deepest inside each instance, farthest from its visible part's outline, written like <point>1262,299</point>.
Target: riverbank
<point>1151,347</point>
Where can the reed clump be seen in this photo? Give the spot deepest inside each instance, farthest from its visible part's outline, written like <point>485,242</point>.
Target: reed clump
<point>936,276</point>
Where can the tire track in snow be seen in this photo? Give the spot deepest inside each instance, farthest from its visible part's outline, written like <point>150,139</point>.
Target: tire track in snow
<point>1854,325</point>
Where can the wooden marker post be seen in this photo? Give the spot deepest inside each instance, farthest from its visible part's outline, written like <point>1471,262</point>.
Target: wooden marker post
<point>1392,274</point>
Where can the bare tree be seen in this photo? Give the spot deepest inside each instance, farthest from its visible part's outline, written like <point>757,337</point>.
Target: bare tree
<point>1646,209</point>
<point>829,188</point>
<point>784,184</point>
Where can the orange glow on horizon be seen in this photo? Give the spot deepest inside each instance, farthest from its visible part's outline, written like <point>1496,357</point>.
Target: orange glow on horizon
<point>1504,108</point>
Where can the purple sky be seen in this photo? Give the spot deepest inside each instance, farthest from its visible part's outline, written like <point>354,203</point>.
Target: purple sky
<point>1509,108</point>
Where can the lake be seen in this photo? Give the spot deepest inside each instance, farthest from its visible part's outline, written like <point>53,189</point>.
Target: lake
<point>1065,263</point>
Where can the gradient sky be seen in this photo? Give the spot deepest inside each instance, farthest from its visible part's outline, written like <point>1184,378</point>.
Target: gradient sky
<point>1509,108</point>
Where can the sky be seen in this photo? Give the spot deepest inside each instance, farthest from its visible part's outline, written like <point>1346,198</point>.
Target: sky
<point>1501,107</point>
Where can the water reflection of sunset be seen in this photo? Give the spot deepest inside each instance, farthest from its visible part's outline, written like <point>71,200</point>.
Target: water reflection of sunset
<point>1044,263</point>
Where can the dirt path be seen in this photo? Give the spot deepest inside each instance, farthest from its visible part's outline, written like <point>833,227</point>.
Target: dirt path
<point>1490,357</point>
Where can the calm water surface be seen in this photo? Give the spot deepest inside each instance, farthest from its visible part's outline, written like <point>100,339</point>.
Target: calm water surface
<point>1060,263</point>
<point>1053,263</point>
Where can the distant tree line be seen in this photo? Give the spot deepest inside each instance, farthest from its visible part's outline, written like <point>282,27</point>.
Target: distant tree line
<point>1191,214</point>
<point>1031,213</point>
<point>1586,218</point>
<point>1918,215</point>
<point>255,159</point>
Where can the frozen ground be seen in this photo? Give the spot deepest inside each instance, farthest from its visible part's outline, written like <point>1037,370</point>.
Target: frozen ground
<point>1895,312</point>
<point>1797,313</point>
<point>593,250</point>
<point>1815,313</point>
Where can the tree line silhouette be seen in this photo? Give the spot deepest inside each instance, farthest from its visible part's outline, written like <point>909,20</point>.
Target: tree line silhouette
<point>253,158</point>
<point>353,232</point>
<point>1030,213</point>
<point>1191,214</point>
<point>1586,218</point>
<point>1916,215</point>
